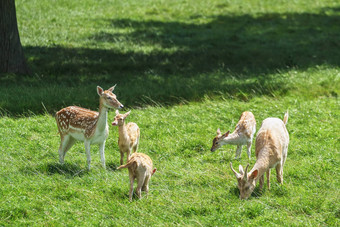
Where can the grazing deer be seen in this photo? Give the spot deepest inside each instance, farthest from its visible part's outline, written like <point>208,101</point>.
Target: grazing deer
<point>243,135</point>
<point>271,151</point>
<point>140,168</point>
<point>128,135</point>
<point>76,123</point>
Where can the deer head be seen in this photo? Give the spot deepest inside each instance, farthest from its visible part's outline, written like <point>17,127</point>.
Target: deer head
<point>120,118</point>
<point>108,99</point>
<point>246,184</point>
<point>218,140</point>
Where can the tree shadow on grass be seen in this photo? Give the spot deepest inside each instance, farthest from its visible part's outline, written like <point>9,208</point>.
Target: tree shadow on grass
<point>112,166</point>
<point>238,55</point>
<point>68,170</point>
<point>244,44</point>
<point>255,194</point>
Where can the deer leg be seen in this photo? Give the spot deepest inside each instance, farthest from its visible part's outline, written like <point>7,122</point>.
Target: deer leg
<point>61,151</point>
<point>131,185</point>
<point>268,179</point>
<point>279,173</point>
<point>238,151</point>
<point>102,154</point>
<point>62,148</point>
<point>127,155</point>
<point>121,157</point>
<point>140,184</point>
<point>88,154</point>
<point>249,149</point>
<point>146,185</point>
<point>70,143</point>
<point>261,182</point>
<point>284,156</point>
<point>135,148</point>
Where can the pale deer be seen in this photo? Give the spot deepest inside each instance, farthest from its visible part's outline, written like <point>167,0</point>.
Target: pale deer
<point>76,123</point>
<point>128,135</point>
<point>271,151</point>
<point>140,168</point>
<point>243,135</point>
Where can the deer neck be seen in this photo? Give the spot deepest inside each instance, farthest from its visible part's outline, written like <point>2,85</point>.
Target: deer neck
<point>232,139</point>
<point>102,118</point>
<point>123,134</point>
<point>262,163</point>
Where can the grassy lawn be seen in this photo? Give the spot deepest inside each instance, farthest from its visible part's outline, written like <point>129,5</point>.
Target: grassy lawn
<point>192,185</point>
<point>184,68</point>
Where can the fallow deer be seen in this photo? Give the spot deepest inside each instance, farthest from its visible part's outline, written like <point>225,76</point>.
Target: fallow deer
<point>243,135</point>
<point>76,123</point>
<point>128,135</point>
<point>271,151</point>
<point>140,168</point>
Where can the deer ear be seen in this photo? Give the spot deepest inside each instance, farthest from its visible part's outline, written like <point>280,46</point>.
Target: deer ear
<point>117,112</point>
<point>154,171</point>
<point>237,175</point>
<point>100,91</point>
<point>127,114</point>
<point>254,174</point>
<point>218,132</point>
<point>112,88</point>
<point>240,169</point>
<point>226,134</point>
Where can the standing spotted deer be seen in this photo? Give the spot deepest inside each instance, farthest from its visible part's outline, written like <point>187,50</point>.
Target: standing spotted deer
<point>271,151</point>
<point>128,135</point>
<point>243,135</point>
<point>76,123</point>
<point>140,167</point>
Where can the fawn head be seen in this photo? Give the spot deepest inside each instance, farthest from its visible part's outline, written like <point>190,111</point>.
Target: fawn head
<point>246,184</point>
<point>119,118</point>
<point>108,99</point>
<point>218,140</point>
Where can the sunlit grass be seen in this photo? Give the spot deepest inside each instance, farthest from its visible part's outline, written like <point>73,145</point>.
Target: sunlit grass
<point>191,186</point>
<point>184,68</point>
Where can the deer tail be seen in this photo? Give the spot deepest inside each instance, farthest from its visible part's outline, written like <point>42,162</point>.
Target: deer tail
<point>285,118</point>
<point>127,165</point>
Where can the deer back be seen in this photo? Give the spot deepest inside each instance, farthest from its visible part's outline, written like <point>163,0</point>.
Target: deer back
<point>271,138</point>
<point>247,124</point>
<point>77,119</point>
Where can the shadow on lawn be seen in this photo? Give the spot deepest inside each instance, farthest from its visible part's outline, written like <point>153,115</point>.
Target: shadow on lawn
<point>242,44</point>
<point>255,194</point>
<point>195,59</point>
<point>68,170</point>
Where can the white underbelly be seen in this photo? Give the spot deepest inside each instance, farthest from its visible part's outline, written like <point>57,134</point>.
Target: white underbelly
<point>78,136</point>
<point>95,139</point>
<point>99,138</point>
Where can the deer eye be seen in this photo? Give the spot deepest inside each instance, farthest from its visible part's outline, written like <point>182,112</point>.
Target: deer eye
<point>216,143</point>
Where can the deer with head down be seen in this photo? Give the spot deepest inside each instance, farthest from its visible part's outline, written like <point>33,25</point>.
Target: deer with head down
<point>243,135</point>
<point>271,152</point>
<point>76,123</point>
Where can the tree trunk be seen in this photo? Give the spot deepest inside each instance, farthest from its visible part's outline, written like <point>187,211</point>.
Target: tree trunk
<point>12,59</point>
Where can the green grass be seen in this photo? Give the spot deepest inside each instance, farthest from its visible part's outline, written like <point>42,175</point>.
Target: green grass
<point>192,185</point>
<point>185,68</point>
